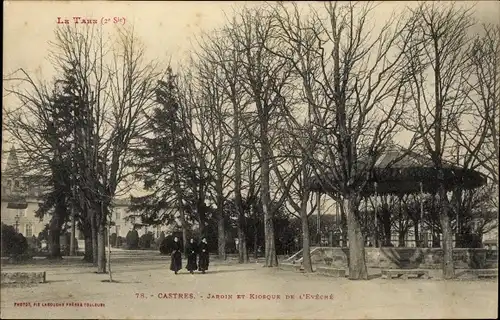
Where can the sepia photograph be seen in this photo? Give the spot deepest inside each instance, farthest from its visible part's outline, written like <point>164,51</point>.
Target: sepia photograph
<point>250,160</point>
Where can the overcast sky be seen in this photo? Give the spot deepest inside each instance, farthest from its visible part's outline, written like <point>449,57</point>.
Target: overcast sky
<point>166,28</point>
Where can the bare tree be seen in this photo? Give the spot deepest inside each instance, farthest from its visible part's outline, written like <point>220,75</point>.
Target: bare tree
<point>217,49</point>
<point>437,60</point>
<point>213,122</point>
<point>484,57</point>
<point>41,130</point>
<point>297,189</point>
<point>360,85</point>
<point>114,93</point>
<point>264,76</point>
<point>298,43</point>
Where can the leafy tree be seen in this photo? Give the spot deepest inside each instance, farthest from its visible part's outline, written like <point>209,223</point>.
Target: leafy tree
<point>145,240</point>
<point>162,162</point>
<point>113,239</point>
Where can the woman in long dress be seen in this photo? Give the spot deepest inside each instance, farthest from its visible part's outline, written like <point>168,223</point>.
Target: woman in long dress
<point>176,260</point>
<point>203,261</point>
<point>192,252</point>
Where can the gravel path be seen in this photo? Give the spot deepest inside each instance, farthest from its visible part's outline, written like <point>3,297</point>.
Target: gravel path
<point>149,290</point>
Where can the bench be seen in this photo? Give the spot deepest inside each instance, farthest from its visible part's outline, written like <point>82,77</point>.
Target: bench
<point>404,273</point>
<point>332,272</point>
<point>23,277</point>
<point>483,273</point>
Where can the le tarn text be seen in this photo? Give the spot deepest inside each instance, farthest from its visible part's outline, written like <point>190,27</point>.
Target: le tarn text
<point>84,20</point>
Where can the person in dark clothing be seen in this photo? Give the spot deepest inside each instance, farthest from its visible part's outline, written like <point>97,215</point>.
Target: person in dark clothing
<point>192,252</point>
<point>176,259</point>
<point>203,259</point>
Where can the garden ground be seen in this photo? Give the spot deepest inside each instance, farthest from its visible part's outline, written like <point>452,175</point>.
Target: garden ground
<point>147,289</point>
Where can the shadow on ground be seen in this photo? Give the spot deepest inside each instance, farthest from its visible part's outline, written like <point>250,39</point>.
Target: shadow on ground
<point>213,271</point>
<point>54,281</point>
<point>374,276</point>
<point>229,270</point>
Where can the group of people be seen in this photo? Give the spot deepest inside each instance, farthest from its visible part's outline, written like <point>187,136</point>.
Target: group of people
<point>197,256</point>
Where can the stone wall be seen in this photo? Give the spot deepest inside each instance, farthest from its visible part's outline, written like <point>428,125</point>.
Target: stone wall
<point>393,257</point>
<point>23,277</point>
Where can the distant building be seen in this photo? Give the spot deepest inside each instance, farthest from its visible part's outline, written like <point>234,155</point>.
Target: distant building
<point>21,197</point>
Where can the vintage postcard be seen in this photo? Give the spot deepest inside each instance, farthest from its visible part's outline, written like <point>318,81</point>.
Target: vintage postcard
<point>250,160</point>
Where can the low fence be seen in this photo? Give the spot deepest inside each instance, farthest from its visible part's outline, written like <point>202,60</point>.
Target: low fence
<point>394,257</point>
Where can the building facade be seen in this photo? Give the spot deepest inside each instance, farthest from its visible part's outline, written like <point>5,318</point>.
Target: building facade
<point>21,197</point>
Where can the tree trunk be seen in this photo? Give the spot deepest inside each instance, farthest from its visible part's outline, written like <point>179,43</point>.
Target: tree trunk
<point>244,248</point>
<point>242,244</point>
<point>221,232</point>
<point>184,227</point>
<point>242,239</point>
<point>94,240</point>
<point>255,235</point>
<point>101,246</point>
<point>72,245</point>
<point>184,236</point>
<point>180,206</point>
<point>108,240</point>
<point>88,257</point>
<point>87,234</point>
<point>343,223</point>
<point>54,238</point>
<point>401,238</point>
<point>271,257</point>
<point>306,252</point>
<point>386,221</point>
<point>357,264</point>
<point>448,265</point>
<point>265,197</point>
<point>417,235</point>
<point>458,209</point>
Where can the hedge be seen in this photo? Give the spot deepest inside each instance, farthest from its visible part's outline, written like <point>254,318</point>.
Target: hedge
<point>132,239</point>
<point>13,243</point>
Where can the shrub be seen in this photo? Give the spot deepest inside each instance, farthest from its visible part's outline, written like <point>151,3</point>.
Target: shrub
<point>12,243</point>
<point>145,240</point>
<point>119,242</point>
<point>132,239</point>
<point>113,239</point>
<point>154,245</point>
<point>164,247</point>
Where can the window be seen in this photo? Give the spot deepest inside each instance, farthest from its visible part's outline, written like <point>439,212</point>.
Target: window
<point>29,230</point>
<point>26,212</point>
<point>117,231</point>
<point>118,215</point>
